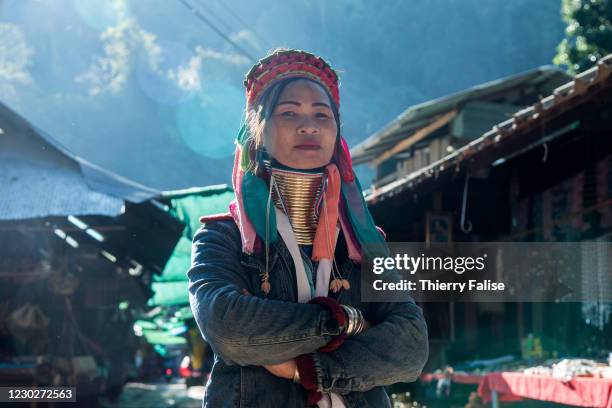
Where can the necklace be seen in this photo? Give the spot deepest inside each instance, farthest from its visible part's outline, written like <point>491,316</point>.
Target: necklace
<point>298,194</point>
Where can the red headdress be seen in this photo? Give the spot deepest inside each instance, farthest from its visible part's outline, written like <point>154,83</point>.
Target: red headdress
<point>290,64</point>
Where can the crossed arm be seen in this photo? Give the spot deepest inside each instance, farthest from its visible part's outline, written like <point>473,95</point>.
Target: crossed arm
<point>248,330</point>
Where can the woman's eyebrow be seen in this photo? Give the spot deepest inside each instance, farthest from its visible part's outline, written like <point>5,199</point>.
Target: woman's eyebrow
<point>289,103</point>
<point>325,105</point>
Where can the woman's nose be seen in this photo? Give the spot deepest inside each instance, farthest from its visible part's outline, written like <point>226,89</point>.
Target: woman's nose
<point>308,126</point>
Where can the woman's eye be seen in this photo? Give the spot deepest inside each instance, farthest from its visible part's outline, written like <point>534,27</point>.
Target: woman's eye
<point>288,114</point>
<point>322,115</point>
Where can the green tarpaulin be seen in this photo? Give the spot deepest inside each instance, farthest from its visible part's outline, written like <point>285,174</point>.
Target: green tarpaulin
<point>189,205</point>
<point>169,293</point>
<point>141,325</point>
<point>163,338</point>
<point>170,288</point>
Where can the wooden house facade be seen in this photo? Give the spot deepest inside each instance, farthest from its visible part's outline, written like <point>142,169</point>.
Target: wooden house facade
<point>544,174</point>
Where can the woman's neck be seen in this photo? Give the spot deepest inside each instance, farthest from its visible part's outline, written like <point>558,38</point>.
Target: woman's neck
<point>297,193</point>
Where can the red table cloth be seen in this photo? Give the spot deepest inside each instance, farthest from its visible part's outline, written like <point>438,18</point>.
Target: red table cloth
<point>580,391</point>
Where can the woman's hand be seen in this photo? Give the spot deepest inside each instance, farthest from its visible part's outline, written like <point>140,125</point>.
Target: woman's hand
<point>283,370</point>
<point>287,369</point>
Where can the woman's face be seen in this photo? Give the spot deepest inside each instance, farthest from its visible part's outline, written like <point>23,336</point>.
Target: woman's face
<point>301,133</point>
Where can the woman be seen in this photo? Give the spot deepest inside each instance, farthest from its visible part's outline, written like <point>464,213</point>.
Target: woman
<point>275,283</point>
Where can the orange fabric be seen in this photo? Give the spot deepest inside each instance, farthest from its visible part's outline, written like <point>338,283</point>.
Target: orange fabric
<point>216,217</point>
<point>326,228</point>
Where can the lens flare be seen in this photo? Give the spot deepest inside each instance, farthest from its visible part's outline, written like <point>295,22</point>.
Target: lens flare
<point>208,124</point>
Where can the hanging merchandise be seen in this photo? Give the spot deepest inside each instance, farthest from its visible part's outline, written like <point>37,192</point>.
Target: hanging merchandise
<point>27,322</point>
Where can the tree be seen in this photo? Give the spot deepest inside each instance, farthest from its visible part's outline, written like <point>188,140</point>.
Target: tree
<point>588,35</point>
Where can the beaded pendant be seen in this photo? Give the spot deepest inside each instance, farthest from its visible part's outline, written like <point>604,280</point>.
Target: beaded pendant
<point>337,284</point>
<point>265,287</point>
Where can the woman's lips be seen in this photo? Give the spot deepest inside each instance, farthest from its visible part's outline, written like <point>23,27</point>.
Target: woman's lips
<point>308,146</point>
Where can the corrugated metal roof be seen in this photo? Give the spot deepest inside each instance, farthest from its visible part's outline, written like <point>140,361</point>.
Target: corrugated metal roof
<point>39,177</point>
<point>31,190</point>
<point>563,98</point>
<point>422,114</point>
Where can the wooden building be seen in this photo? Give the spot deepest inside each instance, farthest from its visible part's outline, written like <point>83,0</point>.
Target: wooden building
<point>427,132</point>
<point>544,174</point>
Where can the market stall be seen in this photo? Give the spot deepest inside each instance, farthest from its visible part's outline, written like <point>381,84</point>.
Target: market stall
<point>572,381</point>
<point>80,247</point>
<point>577,382</point>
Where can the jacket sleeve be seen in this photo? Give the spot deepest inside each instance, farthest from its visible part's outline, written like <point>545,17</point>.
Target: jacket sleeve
<point>244,329</point>
<point>393,350</point>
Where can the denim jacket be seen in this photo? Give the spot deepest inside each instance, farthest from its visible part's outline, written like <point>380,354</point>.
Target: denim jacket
<point>247,329</point>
